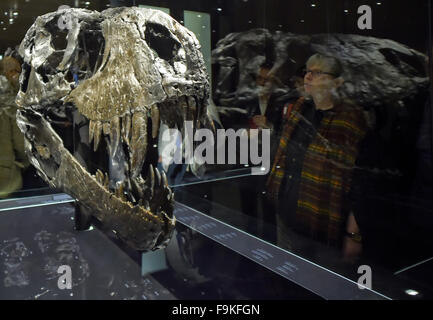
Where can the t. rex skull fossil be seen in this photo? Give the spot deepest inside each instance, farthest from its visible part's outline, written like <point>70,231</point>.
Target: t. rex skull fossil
<point>109,78</point>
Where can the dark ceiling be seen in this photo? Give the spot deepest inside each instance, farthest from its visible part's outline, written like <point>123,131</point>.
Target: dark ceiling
<point>400,20</point>
<point>26,12</point>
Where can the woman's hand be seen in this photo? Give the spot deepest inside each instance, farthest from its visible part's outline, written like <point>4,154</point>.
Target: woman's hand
<point>352,245</point>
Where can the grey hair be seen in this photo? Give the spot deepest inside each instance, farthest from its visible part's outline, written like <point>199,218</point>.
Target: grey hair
<point>331,64</point>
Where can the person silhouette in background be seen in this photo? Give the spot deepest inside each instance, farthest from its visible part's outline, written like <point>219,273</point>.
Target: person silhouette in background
<point>12,156</point>
<point>263,114</point>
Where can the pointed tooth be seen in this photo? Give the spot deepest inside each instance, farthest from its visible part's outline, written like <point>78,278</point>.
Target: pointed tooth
<point>211,124</point>
<point>188,116</point>
<point>158,177</point>
<point>154,114</point>
<point>91,130</point>
<point>126,128</point>
<point>119,190</point>
<point>151,179</point>
<point>169,194</point>
<point>97,135</point>
<point>165,186</point>
<point>139,142</point>
<point>99,176</point>
<point>183,103</point>
<point>137,187</point>
<point>183,107</point>
<point>106,128</point>
<point>114,134</point>
<point>106,181</point>
<point>164,179</point>
<point>192,105</point>
<point>206,122</point>
<point>132,198</point>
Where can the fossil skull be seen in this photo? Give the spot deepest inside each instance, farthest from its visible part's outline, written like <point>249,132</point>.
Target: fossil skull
<point>92,95</point>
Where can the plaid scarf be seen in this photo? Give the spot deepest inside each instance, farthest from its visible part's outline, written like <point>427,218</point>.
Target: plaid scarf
<point>326,171</point>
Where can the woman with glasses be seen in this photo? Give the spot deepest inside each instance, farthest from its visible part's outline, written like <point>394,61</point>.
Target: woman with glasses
<point>311,173</point>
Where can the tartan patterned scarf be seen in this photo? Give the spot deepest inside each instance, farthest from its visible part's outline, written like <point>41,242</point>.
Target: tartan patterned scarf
<point>326,170</point>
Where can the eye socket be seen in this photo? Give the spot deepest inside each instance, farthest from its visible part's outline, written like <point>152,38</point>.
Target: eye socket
<point>161,41</point>
<point>88,51</point>
<point>59,41</point>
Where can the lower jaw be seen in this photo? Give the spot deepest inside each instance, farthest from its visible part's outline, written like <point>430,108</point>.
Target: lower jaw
<point>135,224</point>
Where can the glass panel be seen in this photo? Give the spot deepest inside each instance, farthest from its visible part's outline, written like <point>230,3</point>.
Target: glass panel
<point>200,24</point>
<point>320,114</point>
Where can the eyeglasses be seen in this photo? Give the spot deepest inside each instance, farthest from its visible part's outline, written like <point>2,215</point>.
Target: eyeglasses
<point>316,73</point>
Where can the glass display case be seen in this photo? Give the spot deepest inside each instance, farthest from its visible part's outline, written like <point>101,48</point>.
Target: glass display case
<point>306,173</point>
